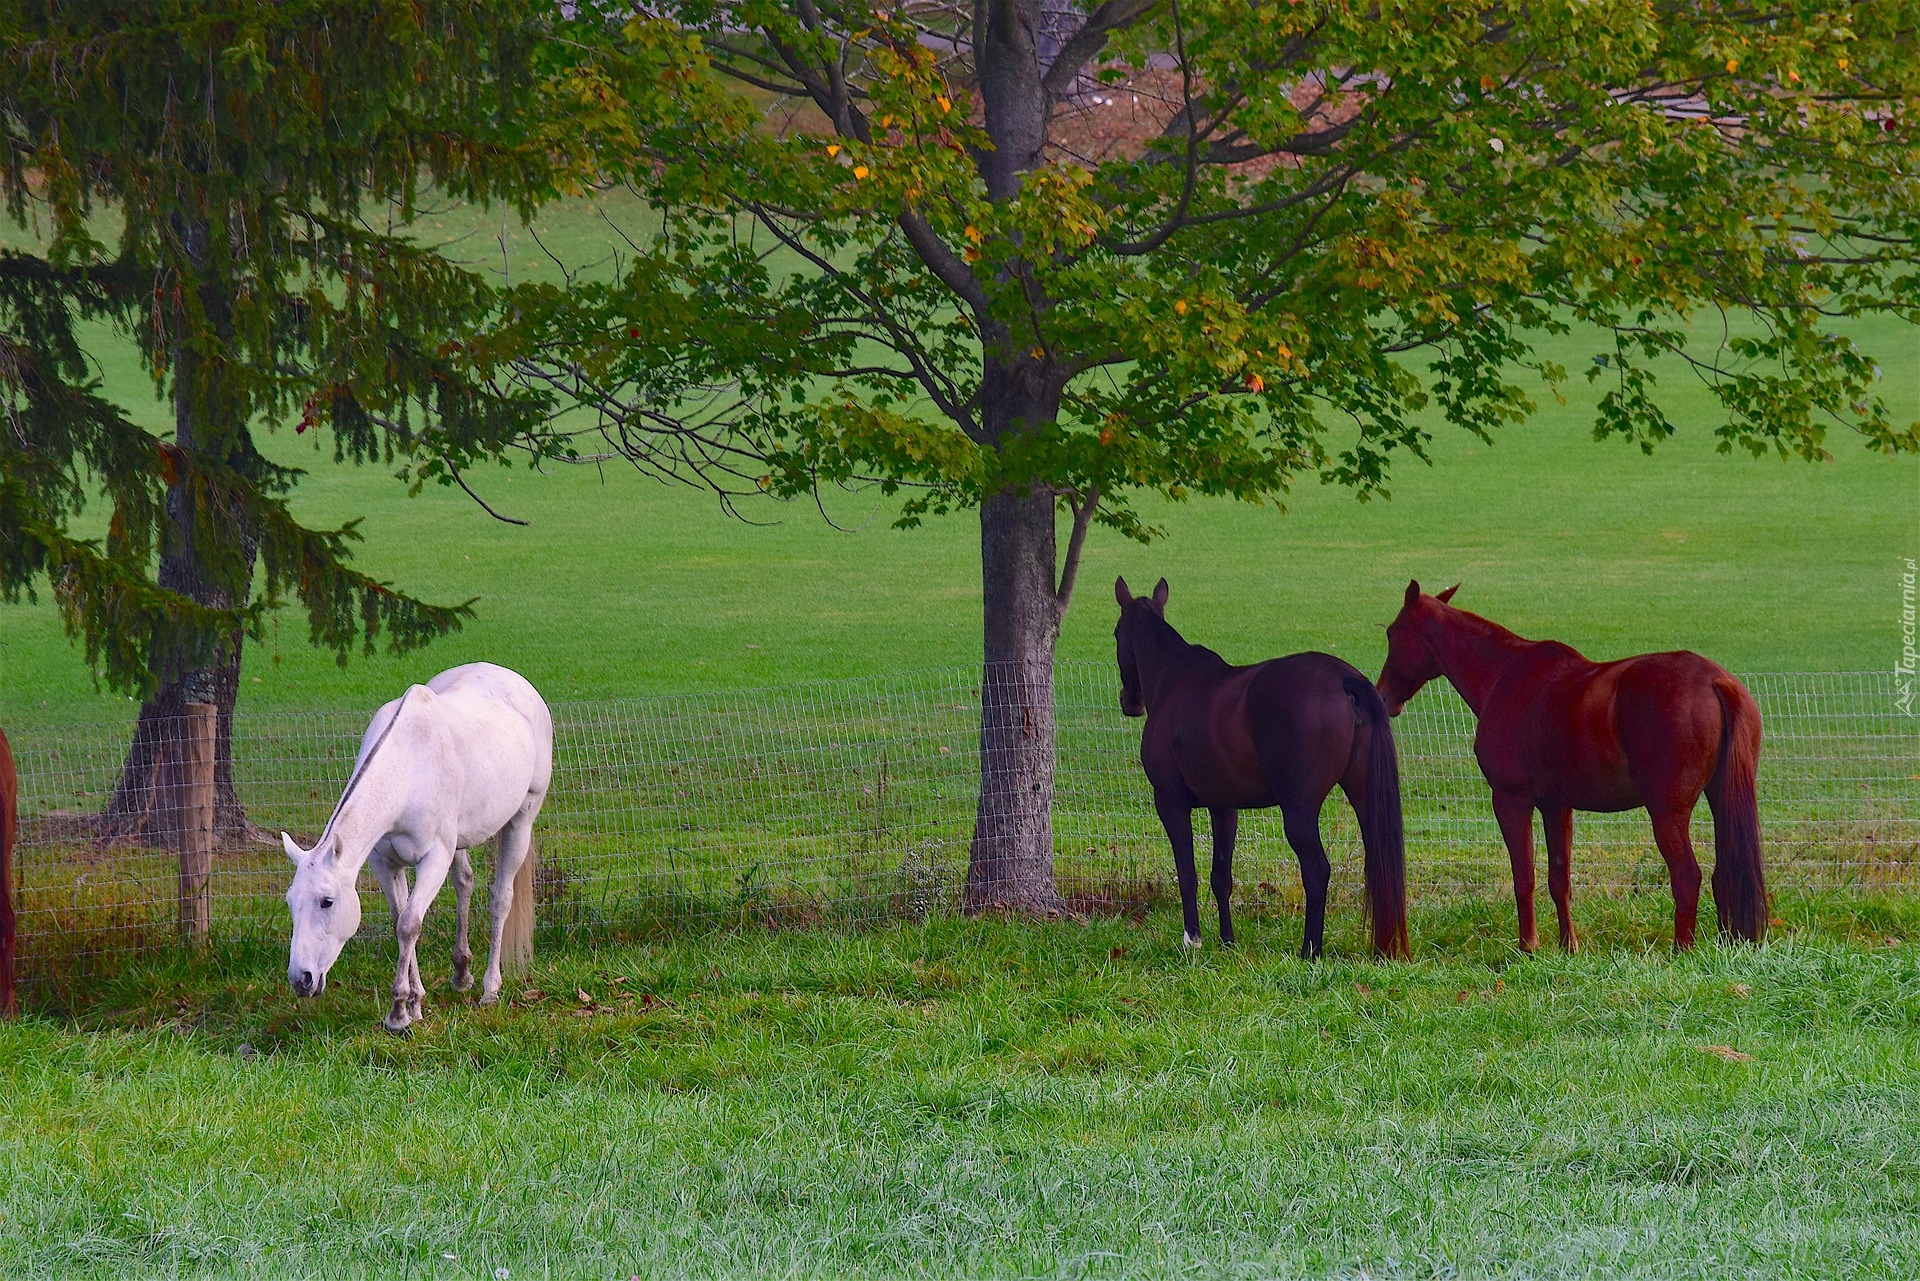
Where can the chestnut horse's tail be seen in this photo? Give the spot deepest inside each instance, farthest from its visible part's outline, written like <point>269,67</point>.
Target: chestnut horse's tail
<point>1739,884</point>
<point>1381,830</point>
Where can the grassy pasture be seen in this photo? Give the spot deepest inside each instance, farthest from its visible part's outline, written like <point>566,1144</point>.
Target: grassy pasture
<point>985,1097</point>
<point>993,1098</point>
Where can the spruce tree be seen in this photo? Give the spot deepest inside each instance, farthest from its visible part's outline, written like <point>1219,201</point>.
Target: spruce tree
<point>227,184</point>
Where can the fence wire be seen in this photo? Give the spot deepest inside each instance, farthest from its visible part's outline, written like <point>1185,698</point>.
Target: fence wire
<point>854,799</point>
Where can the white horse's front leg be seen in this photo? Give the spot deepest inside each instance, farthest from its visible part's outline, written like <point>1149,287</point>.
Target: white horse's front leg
<point>429,874</point>
<point>509,852</point>
<point>462,905</point>
<point>393,881</point>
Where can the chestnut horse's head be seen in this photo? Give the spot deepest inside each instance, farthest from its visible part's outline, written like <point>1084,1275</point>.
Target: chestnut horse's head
<point>1411,661</point>
<point>1136,614</point>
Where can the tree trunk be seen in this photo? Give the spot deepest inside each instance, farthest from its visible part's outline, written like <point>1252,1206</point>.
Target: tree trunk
<point>1011,862</point>
<point>133,813</point>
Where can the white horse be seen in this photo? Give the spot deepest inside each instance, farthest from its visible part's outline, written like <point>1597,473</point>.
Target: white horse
<point>449,764</point>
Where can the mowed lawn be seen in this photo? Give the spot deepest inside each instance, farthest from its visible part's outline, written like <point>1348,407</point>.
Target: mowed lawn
<point>623,586</point>
<point>997,1098</point>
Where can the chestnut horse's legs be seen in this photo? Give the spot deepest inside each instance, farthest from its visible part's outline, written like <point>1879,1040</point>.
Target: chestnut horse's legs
<point>1676,847</point>
<point>1515,815</point>
<point>1559,828</point>
<point>1226,826</point>
<point>1303,833</point>
<point>1176,815</point>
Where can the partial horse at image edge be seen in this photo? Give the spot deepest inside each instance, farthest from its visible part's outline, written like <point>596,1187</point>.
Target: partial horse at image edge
<point>9,832</point>
<point>1283,732</point>
<point>1558,732</point>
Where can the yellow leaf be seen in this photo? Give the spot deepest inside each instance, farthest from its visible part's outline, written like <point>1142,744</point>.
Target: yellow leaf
<point>1284,352</point>
<point>833,149</point>
<point>1181,307</point>
<point>973,234</point>
<point>1486,82</point>
<point>859,171</point>
<point>1733,64</point>
<point>1843,64</point>
<point>1256,383</point>
<point>971,254</point>
<point>1038,353</point>
<point>946,103</point>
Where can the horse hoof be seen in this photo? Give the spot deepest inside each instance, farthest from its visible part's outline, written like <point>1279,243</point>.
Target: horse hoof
<point>462,981</point>
<point>401,1028</point>
<point>489,998</point>
<point>1192,941</point>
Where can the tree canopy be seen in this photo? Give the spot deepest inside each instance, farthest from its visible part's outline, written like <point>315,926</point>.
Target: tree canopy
<point>1020,256</point>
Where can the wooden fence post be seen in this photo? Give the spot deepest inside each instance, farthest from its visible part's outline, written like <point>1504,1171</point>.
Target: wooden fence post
<point>189,783</point>
<point>516,935</point>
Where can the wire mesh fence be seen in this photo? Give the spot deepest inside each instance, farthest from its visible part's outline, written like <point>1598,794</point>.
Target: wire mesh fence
<point>854,800</point>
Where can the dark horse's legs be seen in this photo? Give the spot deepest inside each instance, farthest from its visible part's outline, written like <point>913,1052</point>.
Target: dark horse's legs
<point>1176,815</point>
<point>1515,815</point>
<point>1303,833</point>
<point>1226,826</point>
<point>1676,847</point>
<point>1559,828</point>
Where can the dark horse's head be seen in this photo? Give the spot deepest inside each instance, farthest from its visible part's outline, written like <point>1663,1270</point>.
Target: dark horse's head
<point>1411,661</point>
<point>1139,616</point>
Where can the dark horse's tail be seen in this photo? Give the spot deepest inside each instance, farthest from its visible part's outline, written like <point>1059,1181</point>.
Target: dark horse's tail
<point>1380,826</point>
<point>1739,884</point>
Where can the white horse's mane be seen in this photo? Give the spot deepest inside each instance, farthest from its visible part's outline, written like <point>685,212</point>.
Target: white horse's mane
<point>360,766</point>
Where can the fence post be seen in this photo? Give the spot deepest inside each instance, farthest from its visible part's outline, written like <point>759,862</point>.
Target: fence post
<point>189,783</point>
<point>516,936</point>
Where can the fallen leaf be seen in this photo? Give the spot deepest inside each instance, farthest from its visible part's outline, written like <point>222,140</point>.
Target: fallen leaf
<point>1116,954</point>
<point>1463,997</point>
<point>533,994</point>
<point>584,998</point>
<point>1362,988</point>
<point>1740,990</point>
<point>1726,1052</point>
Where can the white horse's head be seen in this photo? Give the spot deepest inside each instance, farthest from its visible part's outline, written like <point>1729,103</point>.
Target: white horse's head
<point>326,912</point>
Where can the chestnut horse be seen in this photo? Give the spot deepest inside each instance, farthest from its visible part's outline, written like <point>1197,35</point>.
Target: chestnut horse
<point>1560,733</point>
<point>1280,733</point>
<point>9,829</point>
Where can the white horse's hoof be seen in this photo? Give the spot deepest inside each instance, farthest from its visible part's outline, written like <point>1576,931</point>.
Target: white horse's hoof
<point>489,998</point>
<point>400,1028</point>
<point>1192,941</point>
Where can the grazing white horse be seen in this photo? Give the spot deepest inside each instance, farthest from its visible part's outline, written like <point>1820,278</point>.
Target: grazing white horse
<point>449,764</point>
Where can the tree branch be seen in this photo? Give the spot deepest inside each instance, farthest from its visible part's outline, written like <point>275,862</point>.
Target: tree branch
<point>1070,567</point>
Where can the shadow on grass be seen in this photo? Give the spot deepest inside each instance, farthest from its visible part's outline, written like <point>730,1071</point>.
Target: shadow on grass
<point>238,983</point>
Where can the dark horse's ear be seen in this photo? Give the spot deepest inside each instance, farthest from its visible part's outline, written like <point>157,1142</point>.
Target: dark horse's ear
<point>1120,592</point>
<point>1160,598</point>
<point>1447,595</point>
<point>1413,592</point>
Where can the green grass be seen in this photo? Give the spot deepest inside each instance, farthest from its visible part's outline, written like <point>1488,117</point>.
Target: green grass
<point>621,586</point>
<point>996,1098</point>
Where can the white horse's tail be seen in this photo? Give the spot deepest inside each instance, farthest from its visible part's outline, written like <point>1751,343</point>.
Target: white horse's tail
<point>516,935</point>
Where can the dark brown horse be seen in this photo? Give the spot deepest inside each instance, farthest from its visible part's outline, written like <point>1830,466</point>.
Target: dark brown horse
<point>1559,733</point>
<point>9,829</point>
<point>1283,732</point>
